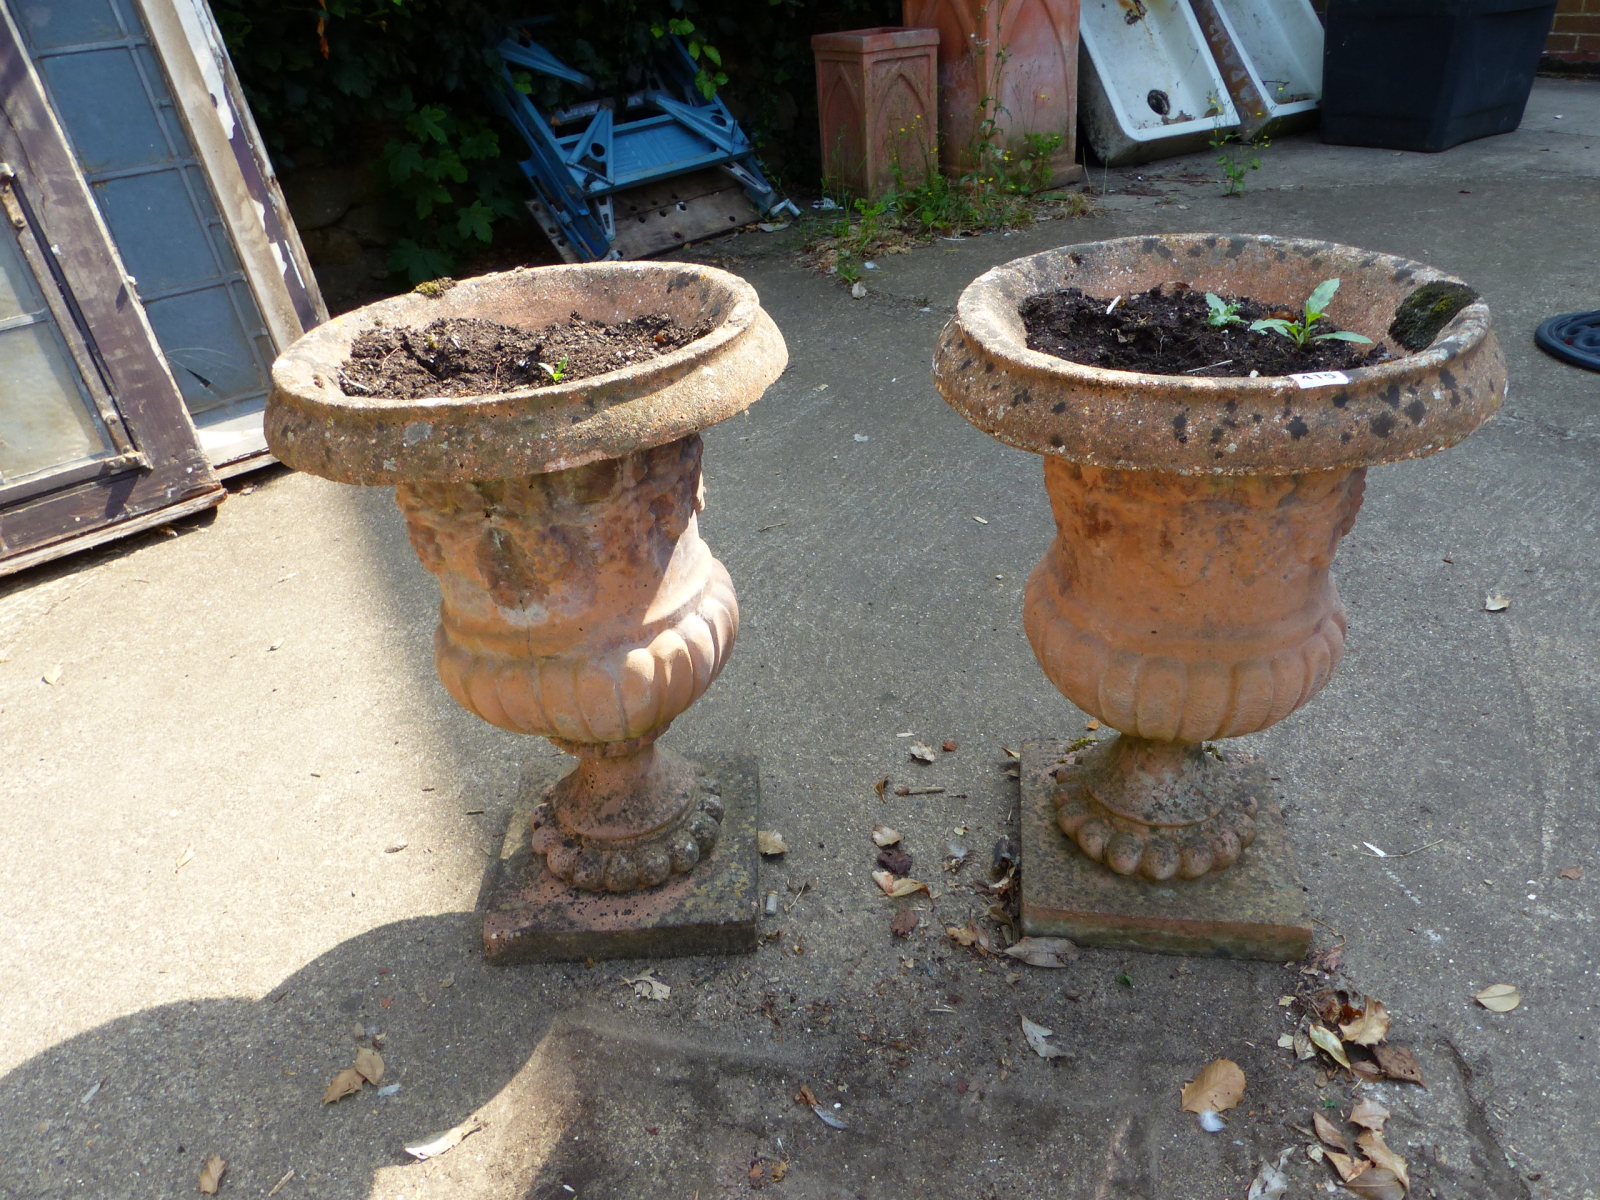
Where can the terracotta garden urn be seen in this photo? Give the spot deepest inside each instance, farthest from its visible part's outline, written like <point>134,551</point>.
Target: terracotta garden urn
<point>578,602</point>
<point>1187,595</point>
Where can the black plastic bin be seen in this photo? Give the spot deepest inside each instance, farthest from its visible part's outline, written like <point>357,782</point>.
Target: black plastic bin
<point>1428,74</point>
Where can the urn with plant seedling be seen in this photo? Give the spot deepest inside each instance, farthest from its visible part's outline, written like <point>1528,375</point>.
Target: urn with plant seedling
<point>1187,596</point>
<point>578,601</point>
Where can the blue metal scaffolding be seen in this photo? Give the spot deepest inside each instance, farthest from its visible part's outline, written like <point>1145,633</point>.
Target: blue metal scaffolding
<point>576,175</point>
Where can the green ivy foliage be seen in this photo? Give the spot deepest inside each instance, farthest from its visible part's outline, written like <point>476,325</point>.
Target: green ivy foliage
<point>407,87</point>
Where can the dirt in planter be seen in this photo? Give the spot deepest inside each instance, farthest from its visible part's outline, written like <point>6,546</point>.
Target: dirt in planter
<point>469,356</point>
<point>1165,332</point>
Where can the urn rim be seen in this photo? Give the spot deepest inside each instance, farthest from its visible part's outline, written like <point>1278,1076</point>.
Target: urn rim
<point>314,426</point>
<point>1407,407</point>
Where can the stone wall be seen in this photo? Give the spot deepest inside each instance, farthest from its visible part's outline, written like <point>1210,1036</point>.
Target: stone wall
<point>343,223</point>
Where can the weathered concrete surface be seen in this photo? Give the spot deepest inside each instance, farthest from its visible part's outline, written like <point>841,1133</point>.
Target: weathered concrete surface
<point>215,1000</point>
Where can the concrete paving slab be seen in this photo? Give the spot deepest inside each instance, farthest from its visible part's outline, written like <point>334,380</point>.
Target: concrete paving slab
<point>343,813</point>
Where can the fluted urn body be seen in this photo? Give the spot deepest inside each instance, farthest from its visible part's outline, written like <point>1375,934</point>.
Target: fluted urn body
<point>578,601</point>
<point>1187,595</point>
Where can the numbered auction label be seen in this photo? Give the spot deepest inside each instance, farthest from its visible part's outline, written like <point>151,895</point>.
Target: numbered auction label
<point>1313,379</point>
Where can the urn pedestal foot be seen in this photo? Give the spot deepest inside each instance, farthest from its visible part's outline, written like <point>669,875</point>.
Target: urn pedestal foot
<point>626,817</point>
<point>1160,810</point>
<point>532,914</point>
<point>1253,909</point>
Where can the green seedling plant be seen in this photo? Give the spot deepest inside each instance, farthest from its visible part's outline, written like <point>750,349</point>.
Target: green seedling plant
<point>1236,168</point>
<point>1220,313</point>
<point>1299,332</point>
<point>557,373</point>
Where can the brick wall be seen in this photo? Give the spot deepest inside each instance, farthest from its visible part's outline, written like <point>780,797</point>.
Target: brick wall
<point>1575,37</point>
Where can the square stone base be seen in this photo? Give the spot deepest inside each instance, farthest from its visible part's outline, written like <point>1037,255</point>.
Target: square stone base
<point>1254,909</point>
<point>532,916</point>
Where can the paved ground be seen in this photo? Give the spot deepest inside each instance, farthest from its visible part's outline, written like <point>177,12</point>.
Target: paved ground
<point>258,690</point>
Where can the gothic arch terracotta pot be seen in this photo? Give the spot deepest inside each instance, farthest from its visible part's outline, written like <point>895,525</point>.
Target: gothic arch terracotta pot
<point>577,599</point>
<point>1187,595</point>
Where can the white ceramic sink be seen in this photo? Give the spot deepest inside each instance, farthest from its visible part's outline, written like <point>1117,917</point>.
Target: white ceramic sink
<point>1149,87</point>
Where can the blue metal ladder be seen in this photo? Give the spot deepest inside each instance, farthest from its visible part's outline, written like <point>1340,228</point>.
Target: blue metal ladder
<point>575,176</point>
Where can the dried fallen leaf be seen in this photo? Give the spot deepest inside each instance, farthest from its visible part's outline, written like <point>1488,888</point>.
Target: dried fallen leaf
<point>1366,1071</point>
<point>1495,602</point>
<point>1218,1087</point>
<point>1329,1134</point>
<point>885,836</point>
<point>1303,1049</point>
<point>1370,1028</point>
<point>1347,1166</point>
<point>1286,1041</point>
<point>948,747</point>
<point>184,858</point>
<point>1373,1144</point>
<point>1315,1153</point>
<point>898,887</point>
<point>211,1174</point>
<point>1036,1035</point>
<point>346,1083</point>
<point>369,1065</point>
<point>779,1170</point>
<point>446,1141</point>
<point>1369,1114</point>
<point>830,1119</point>
<point>1377,1183</point>
<point>1326,1039</point>
<point>1499,997</point>
<point>1572,873</point>
<point>1043,951</point>
<point>647,987</point>
<point>770,841</point>
<point>879,786</point>
<point>971,934</point>
<point>806,1096</point>
<point>904,922</point>
<point>1325,962</point>
<point>1398,1063</point>
<point>922,752</point>
<point>53,675</point>
<point>1270,1182</point>
<point>895,859</point>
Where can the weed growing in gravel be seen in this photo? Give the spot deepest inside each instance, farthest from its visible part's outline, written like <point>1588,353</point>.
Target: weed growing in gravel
<point>1007,188</point>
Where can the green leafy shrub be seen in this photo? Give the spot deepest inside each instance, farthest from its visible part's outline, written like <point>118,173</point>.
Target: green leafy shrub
<point>407,86</point>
